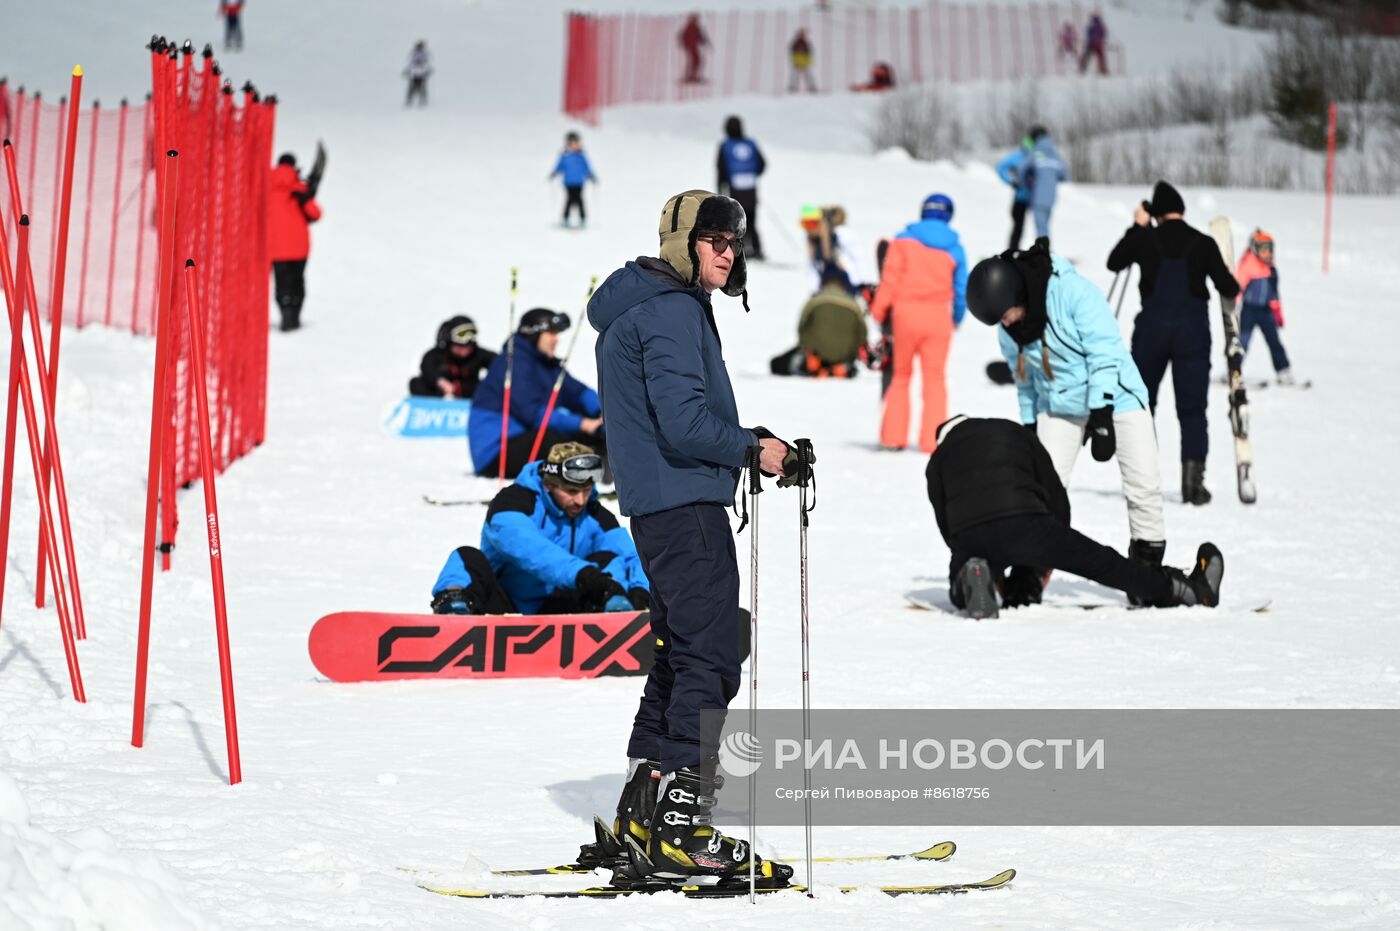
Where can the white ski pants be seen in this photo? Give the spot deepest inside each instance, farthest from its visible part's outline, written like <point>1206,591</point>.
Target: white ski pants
<point>1063,438</point>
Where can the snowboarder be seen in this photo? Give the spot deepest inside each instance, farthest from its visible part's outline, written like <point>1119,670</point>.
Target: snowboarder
<point>738,166</point>
<point>831,334</point>
<point>1001,506</point>
<point>1046,169</point>
<point>575,171</point>
<point>291,209</point>
<point>232,12</point>
<point>881,78</point>
<point>923,282</point>
<point>548,546</point>
<point>1260,304</point>
<point>1174,327</point>
<point>420,66</point>
<point>833,247</point>
<point>533,373</point>
<point>800,55</point>
<point>453,367</point>
<point>677,448</point>
<point>1095,38</point>
<point>1015,170</point>
<point>1075,381</point>
<point>693,39</point>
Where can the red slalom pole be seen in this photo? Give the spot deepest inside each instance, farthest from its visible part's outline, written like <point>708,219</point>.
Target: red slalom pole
<point>60,267</point>
<point>510,364</point>
<point>1331,174</point>
<point>211,507</point>
<point>164,285</point>
<point>19,379</point>
<point>50,411</point>
<point>559,379</point>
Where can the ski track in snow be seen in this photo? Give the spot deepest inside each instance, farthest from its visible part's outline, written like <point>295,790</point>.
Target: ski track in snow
<point>425,213</point>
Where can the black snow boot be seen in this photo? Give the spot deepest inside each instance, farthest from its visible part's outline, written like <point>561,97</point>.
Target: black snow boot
<point>1149,553</point>
<point>974,590</point>
<point>1193,482</point>
<point>1202,586</point>
<point>634,810</point>
<point>684,845</point>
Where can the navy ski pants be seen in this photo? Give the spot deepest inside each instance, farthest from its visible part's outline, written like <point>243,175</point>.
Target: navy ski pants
<point>1253,315</point>
<point>688,554</point>
<point>1159,341</point>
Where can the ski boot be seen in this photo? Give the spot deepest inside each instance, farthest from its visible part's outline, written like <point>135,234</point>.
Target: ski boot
<point>974,591</point>
<point>1193,482</point>
<point>1202,586</point>
<point>684,846</point>
<point>456,600</point>
<point>633,819</point>
<point>1149,553</point>
<point>1285,378</point>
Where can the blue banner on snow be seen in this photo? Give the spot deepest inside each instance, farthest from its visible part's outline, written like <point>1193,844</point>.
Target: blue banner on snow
<point>430,417</point>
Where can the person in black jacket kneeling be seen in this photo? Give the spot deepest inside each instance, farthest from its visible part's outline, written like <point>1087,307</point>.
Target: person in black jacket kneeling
<point>1000,506</point>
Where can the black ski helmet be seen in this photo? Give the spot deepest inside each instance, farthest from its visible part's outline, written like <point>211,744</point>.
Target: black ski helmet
<point>457,331</point>
<point>994,287</point>
<point>541,320</point>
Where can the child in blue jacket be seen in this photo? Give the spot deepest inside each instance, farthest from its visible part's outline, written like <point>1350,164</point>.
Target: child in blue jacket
<point>573,166</point>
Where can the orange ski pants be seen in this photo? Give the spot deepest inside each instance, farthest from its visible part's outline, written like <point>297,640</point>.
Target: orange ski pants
<point>925,333</point>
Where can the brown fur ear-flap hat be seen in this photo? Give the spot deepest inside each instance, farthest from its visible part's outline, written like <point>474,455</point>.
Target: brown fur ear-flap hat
<point>697,211</point>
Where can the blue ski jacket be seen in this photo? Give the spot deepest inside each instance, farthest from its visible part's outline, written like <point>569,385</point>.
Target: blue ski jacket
<point>1014,171</point>
<point>536,549</point>
<point>574,167</point>
<point>673,426</point>
<point>532,379</point>
<point>937,234</point>
<point>1047,170</point>
<point>1091,366</point>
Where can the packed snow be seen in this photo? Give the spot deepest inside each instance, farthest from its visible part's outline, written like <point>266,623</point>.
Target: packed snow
<point>426,211</point>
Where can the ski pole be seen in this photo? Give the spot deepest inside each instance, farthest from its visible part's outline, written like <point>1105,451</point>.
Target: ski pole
<point>559,379</point>
<point>1127,279</point>
<point>510,363</point>
<point>804,481</point>
<point>755,489</point>
<point>1114,286</point>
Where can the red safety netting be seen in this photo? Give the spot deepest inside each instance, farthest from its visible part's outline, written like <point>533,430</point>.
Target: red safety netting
<point>643,58</point>
<point>225,143</point>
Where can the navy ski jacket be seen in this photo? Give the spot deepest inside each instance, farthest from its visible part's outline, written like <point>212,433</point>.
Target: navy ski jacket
<point>673,426</point>
<point>532,380</point>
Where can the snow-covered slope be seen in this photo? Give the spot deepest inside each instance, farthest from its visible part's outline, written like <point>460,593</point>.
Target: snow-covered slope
<point>425,213</point>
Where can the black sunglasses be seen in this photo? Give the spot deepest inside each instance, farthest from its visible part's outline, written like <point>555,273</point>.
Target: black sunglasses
<point>721,243</point>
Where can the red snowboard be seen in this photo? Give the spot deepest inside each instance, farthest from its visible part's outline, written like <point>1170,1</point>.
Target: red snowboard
<point>365,647</point>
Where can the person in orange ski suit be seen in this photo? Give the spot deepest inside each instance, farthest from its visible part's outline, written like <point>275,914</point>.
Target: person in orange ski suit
<point>924,285</point>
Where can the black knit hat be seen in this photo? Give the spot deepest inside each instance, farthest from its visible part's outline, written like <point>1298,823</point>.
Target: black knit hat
<point>1166,199</point>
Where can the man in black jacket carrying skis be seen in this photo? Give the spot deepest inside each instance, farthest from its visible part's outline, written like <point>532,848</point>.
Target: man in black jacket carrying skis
<point>1000,505</point>
<point>1174,325</point>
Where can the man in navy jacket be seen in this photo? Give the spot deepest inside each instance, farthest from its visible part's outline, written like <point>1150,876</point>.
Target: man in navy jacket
<point>676,448</point>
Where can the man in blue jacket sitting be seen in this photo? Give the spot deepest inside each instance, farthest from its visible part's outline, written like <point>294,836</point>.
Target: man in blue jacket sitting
<point>533,373</point>
<point>676,449</point>
<point>548,546</point>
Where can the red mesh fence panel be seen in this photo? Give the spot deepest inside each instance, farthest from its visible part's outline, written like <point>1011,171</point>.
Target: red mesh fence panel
<point>225,143</point>
<point>642,58</point>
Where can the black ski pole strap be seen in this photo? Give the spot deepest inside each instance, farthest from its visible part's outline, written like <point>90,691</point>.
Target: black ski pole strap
<point>805,476</point>
<point>754,486</point>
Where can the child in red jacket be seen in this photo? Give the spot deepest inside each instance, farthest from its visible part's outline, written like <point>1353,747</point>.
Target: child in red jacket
<point>1259,300</point>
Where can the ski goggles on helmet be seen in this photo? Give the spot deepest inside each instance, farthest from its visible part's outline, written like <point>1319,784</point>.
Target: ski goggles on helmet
<point>721,243</point>
<point>463,334</point>
<point>556,322</point>
<point>576,470</point>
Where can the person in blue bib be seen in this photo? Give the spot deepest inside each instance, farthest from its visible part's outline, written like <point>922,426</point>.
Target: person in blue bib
<point>548,546</point>
<point>739,164</point>
<point>575,171</point>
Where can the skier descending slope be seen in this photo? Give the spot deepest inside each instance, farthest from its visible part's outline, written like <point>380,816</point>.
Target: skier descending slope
<point>676,449</point>
<point>1174,326</point>
<point>1074,378</point>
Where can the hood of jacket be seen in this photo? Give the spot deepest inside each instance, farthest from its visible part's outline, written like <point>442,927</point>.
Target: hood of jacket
<point>632,284</point>
<point>285,179</point>
<point>1046,146</point>
<point>936,234</point>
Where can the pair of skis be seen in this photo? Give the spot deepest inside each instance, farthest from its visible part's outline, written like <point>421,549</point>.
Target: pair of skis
<point>934,854</point>
<point>1234,361</point>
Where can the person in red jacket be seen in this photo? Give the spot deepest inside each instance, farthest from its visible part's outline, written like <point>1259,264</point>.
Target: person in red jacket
<point>291,209</point>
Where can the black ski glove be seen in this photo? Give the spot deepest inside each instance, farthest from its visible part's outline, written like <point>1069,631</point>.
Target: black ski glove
<point>594,582</point>
<point>789,477</point>
<point>1100,430</point>
<point>1022,586</point>
<point>640,598</point>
